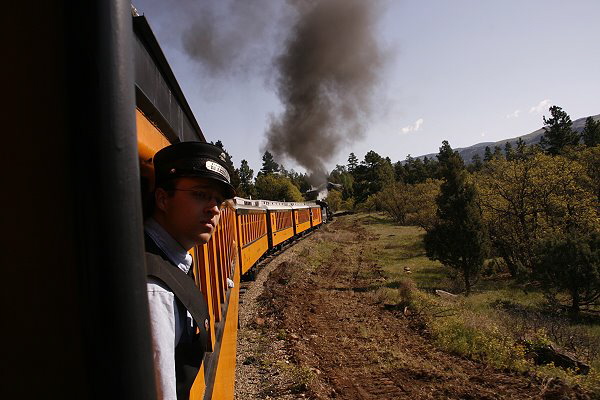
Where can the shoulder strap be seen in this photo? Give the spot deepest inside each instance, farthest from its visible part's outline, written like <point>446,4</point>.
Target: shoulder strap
<point>182,286</point>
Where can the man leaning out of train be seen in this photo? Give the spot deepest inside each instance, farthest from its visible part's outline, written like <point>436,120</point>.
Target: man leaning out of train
<point>191,182</point>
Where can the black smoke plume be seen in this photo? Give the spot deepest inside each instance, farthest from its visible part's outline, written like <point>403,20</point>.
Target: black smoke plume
<point>321,56</point>
<point>327,75</point>
<point>230,37</point>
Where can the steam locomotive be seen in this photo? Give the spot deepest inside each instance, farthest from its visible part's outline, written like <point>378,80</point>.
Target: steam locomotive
<point>93,100</point>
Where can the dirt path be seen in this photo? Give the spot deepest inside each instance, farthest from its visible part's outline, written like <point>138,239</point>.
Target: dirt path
<point>311,328</point>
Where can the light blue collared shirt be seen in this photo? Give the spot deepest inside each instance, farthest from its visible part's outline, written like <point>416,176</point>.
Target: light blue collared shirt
<point>176,253</point>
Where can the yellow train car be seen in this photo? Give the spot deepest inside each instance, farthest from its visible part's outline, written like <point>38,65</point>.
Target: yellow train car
<point>301,218</point>
<point>252,236</point>
<point>316,216</point>
<point>280,227</point>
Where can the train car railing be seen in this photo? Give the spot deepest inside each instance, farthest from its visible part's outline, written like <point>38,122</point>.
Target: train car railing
<point>301,219</point>
<point>316,217</point>
<point>252,235</point>
<point>279,223</point>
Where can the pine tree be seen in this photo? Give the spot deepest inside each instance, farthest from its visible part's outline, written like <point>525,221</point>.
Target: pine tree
<point>476,163</point>
<point>269,165</point>
<point>509,153</point>
<point>571,264</point>
<point>558,132</point>
<point>399,171</point>
<point>521,149</point>
<point>246,174</point>
<point>497,153</point>
<point>458,238</point>
<point>352,162</point>
<point>591,132</point>
<point>487,155</point>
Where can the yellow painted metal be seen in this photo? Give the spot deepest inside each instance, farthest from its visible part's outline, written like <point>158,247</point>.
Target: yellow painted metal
<point>252,234</point>
<point>282,227</point>
<point>283,235</point>
<point>199,386</point>
<point>223,388</point>
<point>316,216</point>
<point>252,252</point>
<point>302,219</point>
<point>302,227</point>
<point>150,139</point>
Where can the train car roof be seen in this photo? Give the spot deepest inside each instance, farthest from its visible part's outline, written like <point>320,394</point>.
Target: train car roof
<point>157,93</point>
<point>240,203</point>
<point>247,207</point>
<point>298,206</point>
<point>271,205</point>
<point>274,205</point>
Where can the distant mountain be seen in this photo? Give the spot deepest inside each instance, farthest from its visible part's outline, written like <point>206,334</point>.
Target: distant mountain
<point>534,137</point>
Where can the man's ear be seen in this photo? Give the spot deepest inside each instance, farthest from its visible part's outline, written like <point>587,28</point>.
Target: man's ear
<point>160,199</point>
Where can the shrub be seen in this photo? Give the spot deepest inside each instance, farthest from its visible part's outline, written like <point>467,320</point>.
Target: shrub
<point>481,340</point>
<point>572,264</point>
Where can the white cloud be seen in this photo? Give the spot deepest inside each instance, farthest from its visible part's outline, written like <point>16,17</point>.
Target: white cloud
<point>541,107</point>
<point>413,127</point>
<point>514,114</point>
<point>482,134</point>
<point>418,124</point>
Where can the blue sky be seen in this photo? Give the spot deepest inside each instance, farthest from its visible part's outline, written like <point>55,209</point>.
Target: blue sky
<point>465,71</point>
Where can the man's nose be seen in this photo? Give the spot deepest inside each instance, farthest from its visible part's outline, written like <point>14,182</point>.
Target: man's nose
<point>213,206</point>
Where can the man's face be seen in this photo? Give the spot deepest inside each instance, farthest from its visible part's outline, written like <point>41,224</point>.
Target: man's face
<point>191,212</point>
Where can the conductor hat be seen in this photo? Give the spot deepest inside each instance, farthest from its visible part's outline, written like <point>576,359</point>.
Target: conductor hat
<point>194,160</point>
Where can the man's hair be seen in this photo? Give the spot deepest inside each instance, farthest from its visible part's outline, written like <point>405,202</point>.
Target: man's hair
<point>168,185</point>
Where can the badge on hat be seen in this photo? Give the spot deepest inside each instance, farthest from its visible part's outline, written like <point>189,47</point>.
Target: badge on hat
<point>214,167</point>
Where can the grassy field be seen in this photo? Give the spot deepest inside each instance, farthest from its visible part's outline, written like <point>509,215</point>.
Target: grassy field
<point>496,324</point>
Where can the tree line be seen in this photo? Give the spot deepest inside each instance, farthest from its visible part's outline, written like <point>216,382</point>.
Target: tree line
<point>272,182</point>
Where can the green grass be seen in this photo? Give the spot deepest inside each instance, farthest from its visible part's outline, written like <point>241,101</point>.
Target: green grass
<point>488,325</point>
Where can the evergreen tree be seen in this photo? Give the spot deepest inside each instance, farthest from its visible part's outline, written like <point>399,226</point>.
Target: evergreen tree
<point>521,149</point>
<point>591,132</point>
<point>509,152</point>
<point>300,180</point>
<point>399,171</point>
<point>340,175</point>
<point>246,185</point>
<point>269,165</point>
<point>571,263</point>
<point>476,163</point>
<point>431,168</point>
<point>416,171</point>
<point>385,172</point>
<point>558,132</point>
<point>487,155</point>
<point>458,238</point>
<point>371,175</point>
<point>352,162</point>
<point>497,153</point>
